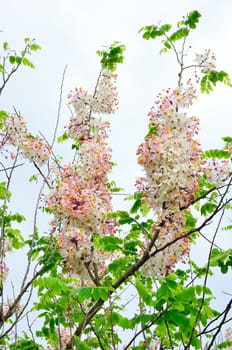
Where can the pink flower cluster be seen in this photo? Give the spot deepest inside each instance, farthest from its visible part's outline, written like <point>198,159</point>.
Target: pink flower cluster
<point>3,270</point>
<point>81,198</point>
<point>77,248</point>
<point>228,337</point>
<point>103,100</point>
<point>5,307</point>
<point>65,336</point>
<point>35,149</point>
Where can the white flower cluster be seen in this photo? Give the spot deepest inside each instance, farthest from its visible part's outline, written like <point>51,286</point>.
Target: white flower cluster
<point>173,247</point>
<point>216,170</point>
<point>81,197</point>
<point>16,129</point>
<point>170,155</point>
<point>5,307</point>
<point>35,149</point>
<point>206,60</point>
<point>103,100</point>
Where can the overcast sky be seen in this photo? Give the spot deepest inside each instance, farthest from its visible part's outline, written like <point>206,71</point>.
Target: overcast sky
<point>70,32</point>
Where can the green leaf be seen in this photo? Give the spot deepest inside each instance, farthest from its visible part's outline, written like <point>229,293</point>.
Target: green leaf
<point>144,292</point>
<point>25,344</point>
<point>16,238</point>
<point>227,228</point>
<point>152,130</point>
<point>122,321</point>
<point>179,34</point>
<point>109,243</point>
<point>103,293</point>
<point>136,206</point>
<point>4,193</point>
<point>85,292</point>
<point>211,78</point>
<point>206,85</point>
<point>112,56</point>
<point>124,217</point>
<point>224,78</point>
<point>62,138</point>
<point>227,139</point>
<point>3,117</point>
<point>192,19</point>
<point>165,28</point>
<point>152,31</point>
<point>18,60</point>
<point>33,178</point>
<point>28,63</point>
<point>12,59</point>
<point>5,46</point>
<point>35,47</point>
<point>119,266</point>
<point>208,208</point>
<point>190,220</point>
<point>216,153</point>
<point>225,344</point>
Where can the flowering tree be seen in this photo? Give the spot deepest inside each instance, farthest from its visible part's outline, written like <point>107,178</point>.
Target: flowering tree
<point>91,254</point>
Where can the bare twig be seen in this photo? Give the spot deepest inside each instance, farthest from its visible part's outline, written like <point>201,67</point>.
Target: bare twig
<point>59,107</point>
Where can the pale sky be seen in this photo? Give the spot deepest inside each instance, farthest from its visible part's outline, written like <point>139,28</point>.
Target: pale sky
<point>70,32</point>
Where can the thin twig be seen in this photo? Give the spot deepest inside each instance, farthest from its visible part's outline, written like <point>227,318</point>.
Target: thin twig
<point>59,107</point>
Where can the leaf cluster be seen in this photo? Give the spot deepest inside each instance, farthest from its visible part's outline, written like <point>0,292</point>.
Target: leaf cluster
<point>112,56</point>
<point>211,78</point>
<point>16,59</point>
<point>183,28</point>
